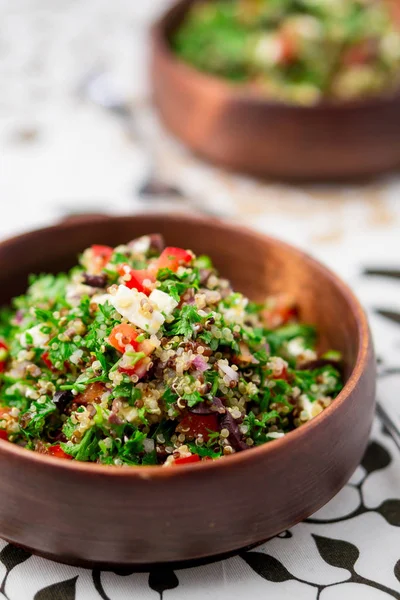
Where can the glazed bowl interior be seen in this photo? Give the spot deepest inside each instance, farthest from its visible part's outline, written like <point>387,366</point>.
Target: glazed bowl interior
<point>239,128</point>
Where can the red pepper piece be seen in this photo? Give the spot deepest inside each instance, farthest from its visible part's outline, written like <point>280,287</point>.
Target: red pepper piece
<point>172,258</point>
<point>194,458</point>
<point>133,278</point>
<point>3,363</point>
<point>59,452</point>
<point>123,335</point>
<point>104,252</point>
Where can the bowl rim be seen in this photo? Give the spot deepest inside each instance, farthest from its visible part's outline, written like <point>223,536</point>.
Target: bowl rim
<point>157,472</point>
<point>242,92</point>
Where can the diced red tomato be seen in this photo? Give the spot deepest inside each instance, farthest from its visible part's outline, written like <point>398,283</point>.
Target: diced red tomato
<point>194,458</point>
<point>47,361</point>
<point>282,375</point>
<point>139,369</point>
<point>92,394</point>
<point>172,258</point>
<point>123,335</point>
<point>103,252</point>
<point>49,364</point>
<point>97,258</point>
<point>3,435</point>
<point>147,346</point>
<point>394,8</point>
<point>288,49</point>
<point>4,351</point>
<point>199,424</point>
<point>360,54</point>
<point>282,310</point>
<point>59,452</point>
<point>245,356</point>
<point>136,278</point>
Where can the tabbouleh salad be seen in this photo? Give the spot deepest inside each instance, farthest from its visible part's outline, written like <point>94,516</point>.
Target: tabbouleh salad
<point>296,51</point>
<point>143,355</point>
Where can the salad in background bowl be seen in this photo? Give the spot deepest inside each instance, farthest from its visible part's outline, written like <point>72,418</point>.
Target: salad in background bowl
<point>296,51</point>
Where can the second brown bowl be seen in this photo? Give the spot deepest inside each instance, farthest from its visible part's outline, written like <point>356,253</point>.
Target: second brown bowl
<point>107,516</point>
<point>245,131</point>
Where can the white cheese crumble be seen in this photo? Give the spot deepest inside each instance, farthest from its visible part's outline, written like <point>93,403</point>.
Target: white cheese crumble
<point>134,306</point>
<point>76,357</point>
<point>75,291</point>
<point>131,304</point>
<point>312,409</point>
<point>237,312</point>
<point>164,302</point>
<point>39,339</point>
<point>275,435</point>
<point>268,50</point>
<point>141,245</point>
<point>297,349</point>
<point>100,298</point>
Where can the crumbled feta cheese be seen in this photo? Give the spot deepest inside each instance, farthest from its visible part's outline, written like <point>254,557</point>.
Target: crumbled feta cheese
<point>100,298</point>
<point>76,357</point>
<point>130,414</point>
<point>297,349</point>
<point>312,409</point>
<point>277,365</point>
<point>39,339</point>
<point>164,302</point>
<point>296,346</point>
<point>131,304</point>
<point>141,245</point>
<point>275,434</point>
<point>236,313</point>
<point>268,51</point>
<point>75,291</point>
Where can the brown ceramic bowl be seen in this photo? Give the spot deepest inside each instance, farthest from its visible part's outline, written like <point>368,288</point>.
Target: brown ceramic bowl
<point>98,515</point>
<point>244,131</point>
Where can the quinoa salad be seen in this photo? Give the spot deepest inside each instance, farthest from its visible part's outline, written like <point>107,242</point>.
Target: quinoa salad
<point>143,355</point>
<point>296,51</point>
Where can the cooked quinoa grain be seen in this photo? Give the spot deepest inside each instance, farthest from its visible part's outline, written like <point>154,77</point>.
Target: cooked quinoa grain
<point>145,356</point>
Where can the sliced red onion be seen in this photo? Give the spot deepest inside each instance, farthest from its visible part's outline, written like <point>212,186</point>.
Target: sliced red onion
<point>204,275</point>
<point>157,242</point>
<point>202,408</point>
<point>114,419</point>
<point>188,297</point>
<point>218,406</point>
<point>143,244</point>
<point>206,408</point>
<point>200,364</point>
<point>235,437</point>
<point>229,372</point>
<point>19,317</point>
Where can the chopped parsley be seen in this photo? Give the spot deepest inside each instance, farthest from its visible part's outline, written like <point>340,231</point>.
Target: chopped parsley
<point>178,367</point>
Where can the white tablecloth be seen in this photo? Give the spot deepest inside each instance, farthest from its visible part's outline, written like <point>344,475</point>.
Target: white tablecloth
<point>61,153</point>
